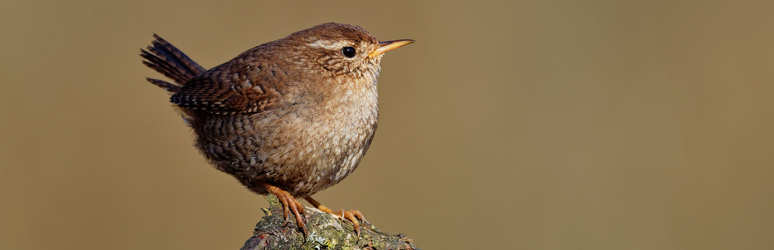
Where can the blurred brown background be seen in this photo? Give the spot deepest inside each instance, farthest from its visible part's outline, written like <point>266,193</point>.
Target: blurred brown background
<point>509,125</point>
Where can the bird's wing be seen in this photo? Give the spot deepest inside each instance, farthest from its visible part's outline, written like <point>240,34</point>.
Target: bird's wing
<point>229,89</point>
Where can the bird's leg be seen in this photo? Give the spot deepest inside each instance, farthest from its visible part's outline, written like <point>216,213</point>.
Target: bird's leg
<point>352,215</point>
<point>289,203</point>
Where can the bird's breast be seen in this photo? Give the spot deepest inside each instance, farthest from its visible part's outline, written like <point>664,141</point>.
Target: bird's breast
<point>337,138</point>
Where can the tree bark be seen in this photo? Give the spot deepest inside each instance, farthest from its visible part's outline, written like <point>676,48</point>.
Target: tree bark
<point>325,232</point>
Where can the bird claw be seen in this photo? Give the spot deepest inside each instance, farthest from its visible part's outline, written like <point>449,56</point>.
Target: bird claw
<point>289,204</point>
<point>354,216</point>
<point>351,215</point>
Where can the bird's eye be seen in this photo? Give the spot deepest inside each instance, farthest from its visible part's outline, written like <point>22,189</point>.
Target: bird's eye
<point>349,52</point>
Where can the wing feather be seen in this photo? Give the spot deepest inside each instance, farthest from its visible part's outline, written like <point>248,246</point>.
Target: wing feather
<point>232,88</point>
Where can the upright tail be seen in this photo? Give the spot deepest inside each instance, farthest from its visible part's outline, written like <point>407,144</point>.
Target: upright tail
<point>170,61</point>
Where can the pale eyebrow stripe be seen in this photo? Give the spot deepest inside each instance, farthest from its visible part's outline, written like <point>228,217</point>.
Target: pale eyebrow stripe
<point>327,44</point>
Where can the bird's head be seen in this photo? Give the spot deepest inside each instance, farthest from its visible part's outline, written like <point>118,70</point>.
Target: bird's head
<point>341,49</point>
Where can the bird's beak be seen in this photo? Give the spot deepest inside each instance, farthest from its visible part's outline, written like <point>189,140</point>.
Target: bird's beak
<point>389,45</point>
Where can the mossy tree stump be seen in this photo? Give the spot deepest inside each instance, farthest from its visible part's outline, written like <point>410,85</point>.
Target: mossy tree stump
<point>325,232</point>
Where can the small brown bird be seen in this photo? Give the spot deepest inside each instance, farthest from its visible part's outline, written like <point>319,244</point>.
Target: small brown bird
<point>289,117</point>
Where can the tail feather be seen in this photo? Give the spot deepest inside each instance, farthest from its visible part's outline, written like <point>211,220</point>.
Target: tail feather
<point>170,61</point>
<point>170,87</point>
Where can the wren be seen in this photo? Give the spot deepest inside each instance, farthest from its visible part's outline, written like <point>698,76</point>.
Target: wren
<point>290,117</point>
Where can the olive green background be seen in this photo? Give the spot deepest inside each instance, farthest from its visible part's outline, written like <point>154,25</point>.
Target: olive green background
<point>507,125</point>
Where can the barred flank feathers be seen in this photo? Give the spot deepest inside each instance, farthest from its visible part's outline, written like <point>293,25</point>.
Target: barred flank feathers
<point>170,61</point>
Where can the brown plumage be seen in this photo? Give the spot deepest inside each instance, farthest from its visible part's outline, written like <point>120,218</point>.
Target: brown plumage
<point>289,117</point>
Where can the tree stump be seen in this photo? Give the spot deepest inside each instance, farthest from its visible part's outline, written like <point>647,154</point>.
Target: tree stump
<point>325,232</point>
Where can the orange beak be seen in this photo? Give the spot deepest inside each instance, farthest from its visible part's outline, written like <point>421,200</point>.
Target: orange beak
<point>389,45</point>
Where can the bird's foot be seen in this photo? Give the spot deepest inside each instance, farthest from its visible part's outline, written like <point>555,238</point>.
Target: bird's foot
<point>289,203</point>
<point>352,215</point>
